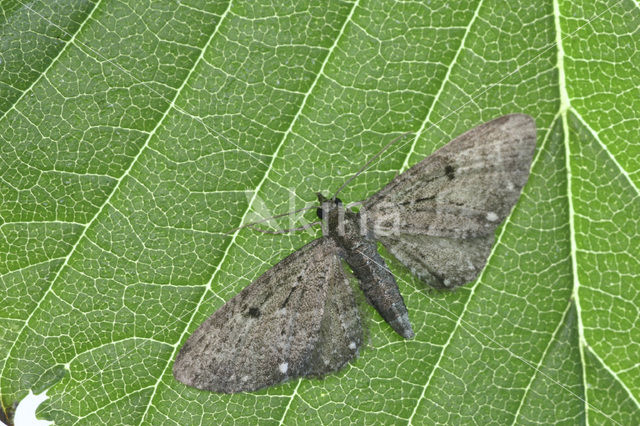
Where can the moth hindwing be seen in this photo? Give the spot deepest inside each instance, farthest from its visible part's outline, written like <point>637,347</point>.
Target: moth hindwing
<point>300,317</point>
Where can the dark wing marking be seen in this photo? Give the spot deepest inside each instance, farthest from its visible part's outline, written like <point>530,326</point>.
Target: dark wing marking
<point>298,319</point>
<point>440,216</point>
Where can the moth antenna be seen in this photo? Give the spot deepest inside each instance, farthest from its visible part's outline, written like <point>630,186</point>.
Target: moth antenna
<point>284,231</point>
<point>354,203</point>
<point>251,224</point>
<point>363,168</point>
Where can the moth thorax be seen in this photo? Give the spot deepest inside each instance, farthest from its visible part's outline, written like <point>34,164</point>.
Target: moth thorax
<point>332,214</point>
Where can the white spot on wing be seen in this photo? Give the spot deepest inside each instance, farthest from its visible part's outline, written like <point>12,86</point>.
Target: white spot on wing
<point>352,346</point>
<point>492,217</point>
<point>284,367</point>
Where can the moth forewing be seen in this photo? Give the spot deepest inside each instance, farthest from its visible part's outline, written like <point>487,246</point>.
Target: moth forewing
<point>451,203</point>
<point>277,328</point>
<point>387,222</point>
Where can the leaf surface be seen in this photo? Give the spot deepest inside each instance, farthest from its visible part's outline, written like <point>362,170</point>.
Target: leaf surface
<point>134,135</point>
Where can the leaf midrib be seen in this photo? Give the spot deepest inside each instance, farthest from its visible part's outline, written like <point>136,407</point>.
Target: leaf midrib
<point>564,109</point>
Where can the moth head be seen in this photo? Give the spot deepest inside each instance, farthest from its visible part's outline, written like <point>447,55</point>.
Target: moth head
<point>327,205</point>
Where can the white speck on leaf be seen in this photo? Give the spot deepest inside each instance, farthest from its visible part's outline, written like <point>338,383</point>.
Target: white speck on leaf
<point>26,411</point>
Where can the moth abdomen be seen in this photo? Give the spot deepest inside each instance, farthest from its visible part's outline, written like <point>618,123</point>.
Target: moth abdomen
<point>379,287</point>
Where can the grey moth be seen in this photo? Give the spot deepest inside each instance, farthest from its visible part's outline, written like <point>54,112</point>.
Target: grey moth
<point>300,318</point>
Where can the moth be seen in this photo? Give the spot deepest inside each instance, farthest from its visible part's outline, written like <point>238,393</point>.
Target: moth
<point>300,318</point>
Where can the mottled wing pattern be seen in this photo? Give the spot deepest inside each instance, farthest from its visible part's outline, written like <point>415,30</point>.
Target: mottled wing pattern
<point>299,318</point>
<point>439,217</point>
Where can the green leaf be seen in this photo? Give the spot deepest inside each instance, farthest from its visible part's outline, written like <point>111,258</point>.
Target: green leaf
<point>134,135</point>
